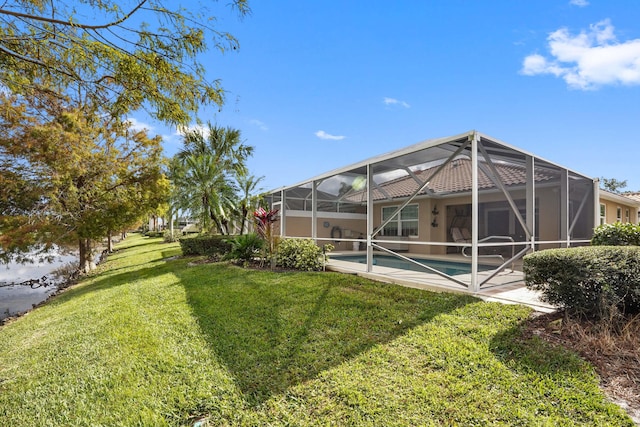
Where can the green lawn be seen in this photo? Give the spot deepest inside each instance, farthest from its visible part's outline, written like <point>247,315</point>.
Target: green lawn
<point>151,341</point>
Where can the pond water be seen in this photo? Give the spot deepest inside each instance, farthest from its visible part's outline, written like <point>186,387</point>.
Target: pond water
<point>16,298</point>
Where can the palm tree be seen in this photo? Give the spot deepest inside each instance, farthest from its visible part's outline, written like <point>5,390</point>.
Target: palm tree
<point>224,144</point>
<point>203,175</point>
<point>249,200</point>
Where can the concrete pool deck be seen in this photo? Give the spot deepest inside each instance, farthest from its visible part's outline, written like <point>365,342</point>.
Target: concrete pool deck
<point>506,287</point>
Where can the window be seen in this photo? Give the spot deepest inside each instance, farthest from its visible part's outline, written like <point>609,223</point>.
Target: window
<point>405,224</point>
<point>619,214</point>
<point>627,216</point>
<point>603,213</point>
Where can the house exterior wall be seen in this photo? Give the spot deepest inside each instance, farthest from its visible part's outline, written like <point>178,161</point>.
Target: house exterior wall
<point>425,231</point>
<point>298,226</point>
<point>611,215</point>
<point>547,227</point>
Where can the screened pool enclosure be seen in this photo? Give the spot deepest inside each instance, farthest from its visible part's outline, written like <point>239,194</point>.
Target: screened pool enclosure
<point>469,198</point>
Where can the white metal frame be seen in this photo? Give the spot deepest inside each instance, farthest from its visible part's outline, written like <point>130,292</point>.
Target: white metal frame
<point>474,141</point>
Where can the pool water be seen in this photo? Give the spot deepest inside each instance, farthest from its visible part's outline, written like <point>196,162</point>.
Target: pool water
<point>450,268</point>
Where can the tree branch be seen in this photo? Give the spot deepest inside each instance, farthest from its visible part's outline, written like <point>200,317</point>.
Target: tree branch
<point>34,61</point>
<point>71,24</point>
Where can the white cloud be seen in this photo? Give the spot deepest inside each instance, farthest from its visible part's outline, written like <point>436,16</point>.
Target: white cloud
<point>323,135</point>
<point>137,125</point>
<point>579,3</point>
<point>393,101</point>
<point>259,124</point>
<point>204,130</point>
<point>588,60</point>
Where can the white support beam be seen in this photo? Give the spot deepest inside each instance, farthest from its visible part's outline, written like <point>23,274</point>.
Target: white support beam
<point>380,189</point>
<point>596,202</point>
<point>475,286</point>
<point>283,213</point>
<point>369,218</point>
<point>494,176</point>
<point>576,215</point>
<point>530,210</point>
<point>422,187</point>
<point>314,210</point>
<point>564,207</point>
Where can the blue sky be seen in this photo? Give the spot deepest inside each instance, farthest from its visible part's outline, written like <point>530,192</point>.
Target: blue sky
<point>320,85</point>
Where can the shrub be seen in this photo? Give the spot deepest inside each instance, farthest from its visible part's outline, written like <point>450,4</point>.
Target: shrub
<point>598,282</point>
<point>205,245</point>
<point>154,234</point>
<point>245,247</point>
<point>168,238</point>
<point>616,234</point>
<point>301,254</point>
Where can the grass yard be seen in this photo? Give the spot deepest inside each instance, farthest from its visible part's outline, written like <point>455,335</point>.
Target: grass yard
<point>154,341</point>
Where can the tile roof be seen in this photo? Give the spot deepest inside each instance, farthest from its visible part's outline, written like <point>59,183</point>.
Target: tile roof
<point>455,177</point>
<point>633,195</point>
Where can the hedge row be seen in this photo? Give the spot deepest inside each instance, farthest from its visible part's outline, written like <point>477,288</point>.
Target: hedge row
<point>205,245</point>
<point>616,234</point>
<point>596,282</point>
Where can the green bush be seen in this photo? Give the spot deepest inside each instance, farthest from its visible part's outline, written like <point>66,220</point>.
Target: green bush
<point>245,247</point>
<point>168,238</point>
<point>205,245</point>
<point>598,282</point>
<point>300,254</point>
<point>154,234</point>
<point>617,234</point>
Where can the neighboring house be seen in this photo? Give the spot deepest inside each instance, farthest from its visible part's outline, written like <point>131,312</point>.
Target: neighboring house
<point>156,223</point>
<point>635,196</point>
<point>469,196</point>
<point>618,207</point>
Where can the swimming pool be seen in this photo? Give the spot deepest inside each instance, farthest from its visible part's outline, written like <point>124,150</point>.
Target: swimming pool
<point>450,268</point>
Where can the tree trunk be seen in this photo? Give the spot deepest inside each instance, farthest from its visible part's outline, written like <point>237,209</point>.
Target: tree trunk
<point>245,212</point>
<point>225,226</point>
<point>109,242</point>
<point>82,254</point>
<point>171,224</point>
<point>217,223</point>
<point>86,263</point>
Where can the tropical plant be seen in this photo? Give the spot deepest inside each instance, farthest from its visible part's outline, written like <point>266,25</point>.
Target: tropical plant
<point>245,247</point>
<point>203,175</point>
<point>249,200</point>
<point>264,225</point>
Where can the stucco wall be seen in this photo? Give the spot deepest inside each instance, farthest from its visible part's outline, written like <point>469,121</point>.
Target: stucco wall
<point>548,225</point>
<point>611,211</point>
<point>425,231</point>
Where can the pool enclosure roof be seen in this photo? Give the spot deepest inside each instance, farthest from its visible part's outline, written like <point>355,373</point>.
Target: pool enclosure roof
<point>407,161</point>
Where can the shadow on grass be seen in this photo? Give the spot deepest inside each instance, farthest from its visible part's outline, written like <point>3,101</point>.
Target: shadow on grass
<point>532,354</point>
<point>276,330</point>
<point>561,383</point>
